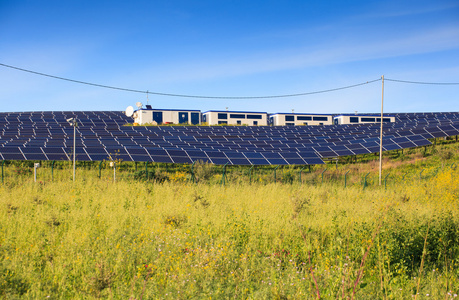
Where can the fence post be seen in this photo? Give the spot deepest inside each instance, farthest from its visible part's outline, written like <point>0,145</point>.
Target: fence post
<point>192,172</point>
<point>2,169</point>
<point>114,171</point>
<point>35,167</point>
<point>436,171</point>
<point>420,175</point>
<point>323,175</point>
<point>250,174</point>
<point>301,182</point>
<point>146,170</point>
<point>275,178</point>
<point>52,170</point>
<point>403,177</point>
<point>224,174</point>
<point>365,181</point>
<point>345,178</point>
<point>100,169</point>
<point>385,178</point>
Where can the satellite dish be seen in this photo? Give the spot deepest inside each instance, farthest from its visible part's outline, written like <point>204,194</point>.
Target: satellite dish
<point>139,104</point>
<point>129,111</point>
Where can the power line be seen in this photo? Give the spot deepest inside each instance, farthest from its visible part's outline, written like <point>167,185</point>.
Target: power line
<point>421,82</point>
<point>190,96</point>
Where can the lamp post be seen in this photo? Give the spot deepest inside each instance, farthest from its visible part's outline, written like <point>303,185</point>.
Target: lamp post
<point>73,122</point>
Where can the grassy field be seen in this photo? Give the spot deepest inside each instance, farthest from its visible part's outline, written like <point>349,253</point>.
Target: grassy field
<point>258,239</point>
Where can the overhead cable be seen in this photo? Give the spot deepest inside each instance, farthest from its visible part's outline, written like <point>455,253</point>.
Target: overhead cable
<point>421,82</point>
<point>191,96</point>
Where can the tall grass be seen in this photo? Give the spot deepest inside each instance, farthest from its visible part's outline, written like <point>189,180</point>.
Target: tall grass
<point>167,237</point>
<point>178,240</point>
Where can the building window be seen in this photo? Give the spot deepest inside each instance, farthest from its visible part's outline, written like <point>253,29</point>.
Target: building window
<point>223,116</point>
<point>290,124</point>
<point>384,120</point>
<point>304,118</point>
<point>320,118</point>
<point>255,123</point>
<point>321,123</point>
<point>204,118</point>
<point>305,123</point>
<point>354,119</point>
<point>289,118</point>
<point>237,116</point>
<point>239,122</point>
<point>222,122</point>
<point>258,117</point>
<point>367,119</point>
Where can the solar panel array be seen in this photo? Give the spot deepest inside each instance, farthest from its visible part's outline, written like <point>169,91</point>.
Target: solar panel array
<point>101,135</point>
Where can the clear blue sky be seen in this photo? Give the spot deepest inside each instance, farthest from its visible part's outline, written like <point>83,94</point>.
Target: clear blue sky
<point>230,48</point>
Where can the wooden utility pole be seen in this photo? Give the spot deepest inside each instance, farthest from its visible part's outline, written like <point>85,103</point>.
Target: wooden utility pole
<point>381,132</point>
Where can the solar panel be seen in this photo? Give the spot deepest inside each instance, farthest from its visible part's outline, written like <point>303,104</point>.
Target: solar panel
<point>240,161</point>
<point>161,159</point>
<point>258,161</point>
<point>13,156</point>
<point>185,144</point>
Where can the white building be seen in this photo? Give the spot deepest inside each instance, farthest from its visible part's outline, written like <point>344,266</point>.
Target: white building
<point>166,116</point>
<point>283,119</point>
<point>214,117</point>
<point>362,119</point>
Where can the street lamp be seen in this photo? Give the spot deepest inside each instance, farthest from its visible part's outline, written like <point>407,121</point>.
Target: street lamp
<point>73,122</point>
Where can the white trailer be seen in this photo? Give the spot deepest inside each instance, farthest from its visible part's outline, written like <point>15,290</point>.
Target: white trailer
<point>286,119</point>
<point>149,115</point>
<point>216,117</point>
<point>362,119</point>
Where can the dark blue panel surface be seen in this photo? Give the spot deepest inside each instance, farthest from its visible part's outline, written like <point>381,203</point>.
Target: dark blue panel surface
<point>240,161</point>
<point>161,159</point>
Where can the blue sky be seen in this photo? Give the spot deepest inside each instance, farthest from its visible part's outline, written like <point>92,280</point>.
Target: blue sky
<point>230,48</point>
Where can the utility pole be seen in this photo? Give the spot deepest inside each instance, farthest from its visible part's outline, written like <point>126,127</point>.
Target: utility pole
<point>381,132</point>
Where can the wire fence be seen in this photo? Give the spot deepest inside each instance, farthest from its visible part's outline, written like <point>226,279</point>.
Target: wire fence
<point>202,173</point>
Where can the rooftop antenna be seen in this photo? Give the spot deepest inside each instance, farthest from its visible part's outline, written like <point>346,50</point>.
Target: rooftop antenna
<point>293,111</point>
<point>139,105</point>
<point>226,108</point>
<point>129,111</point>
<point>355,111</point>
<point>147,97</point>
